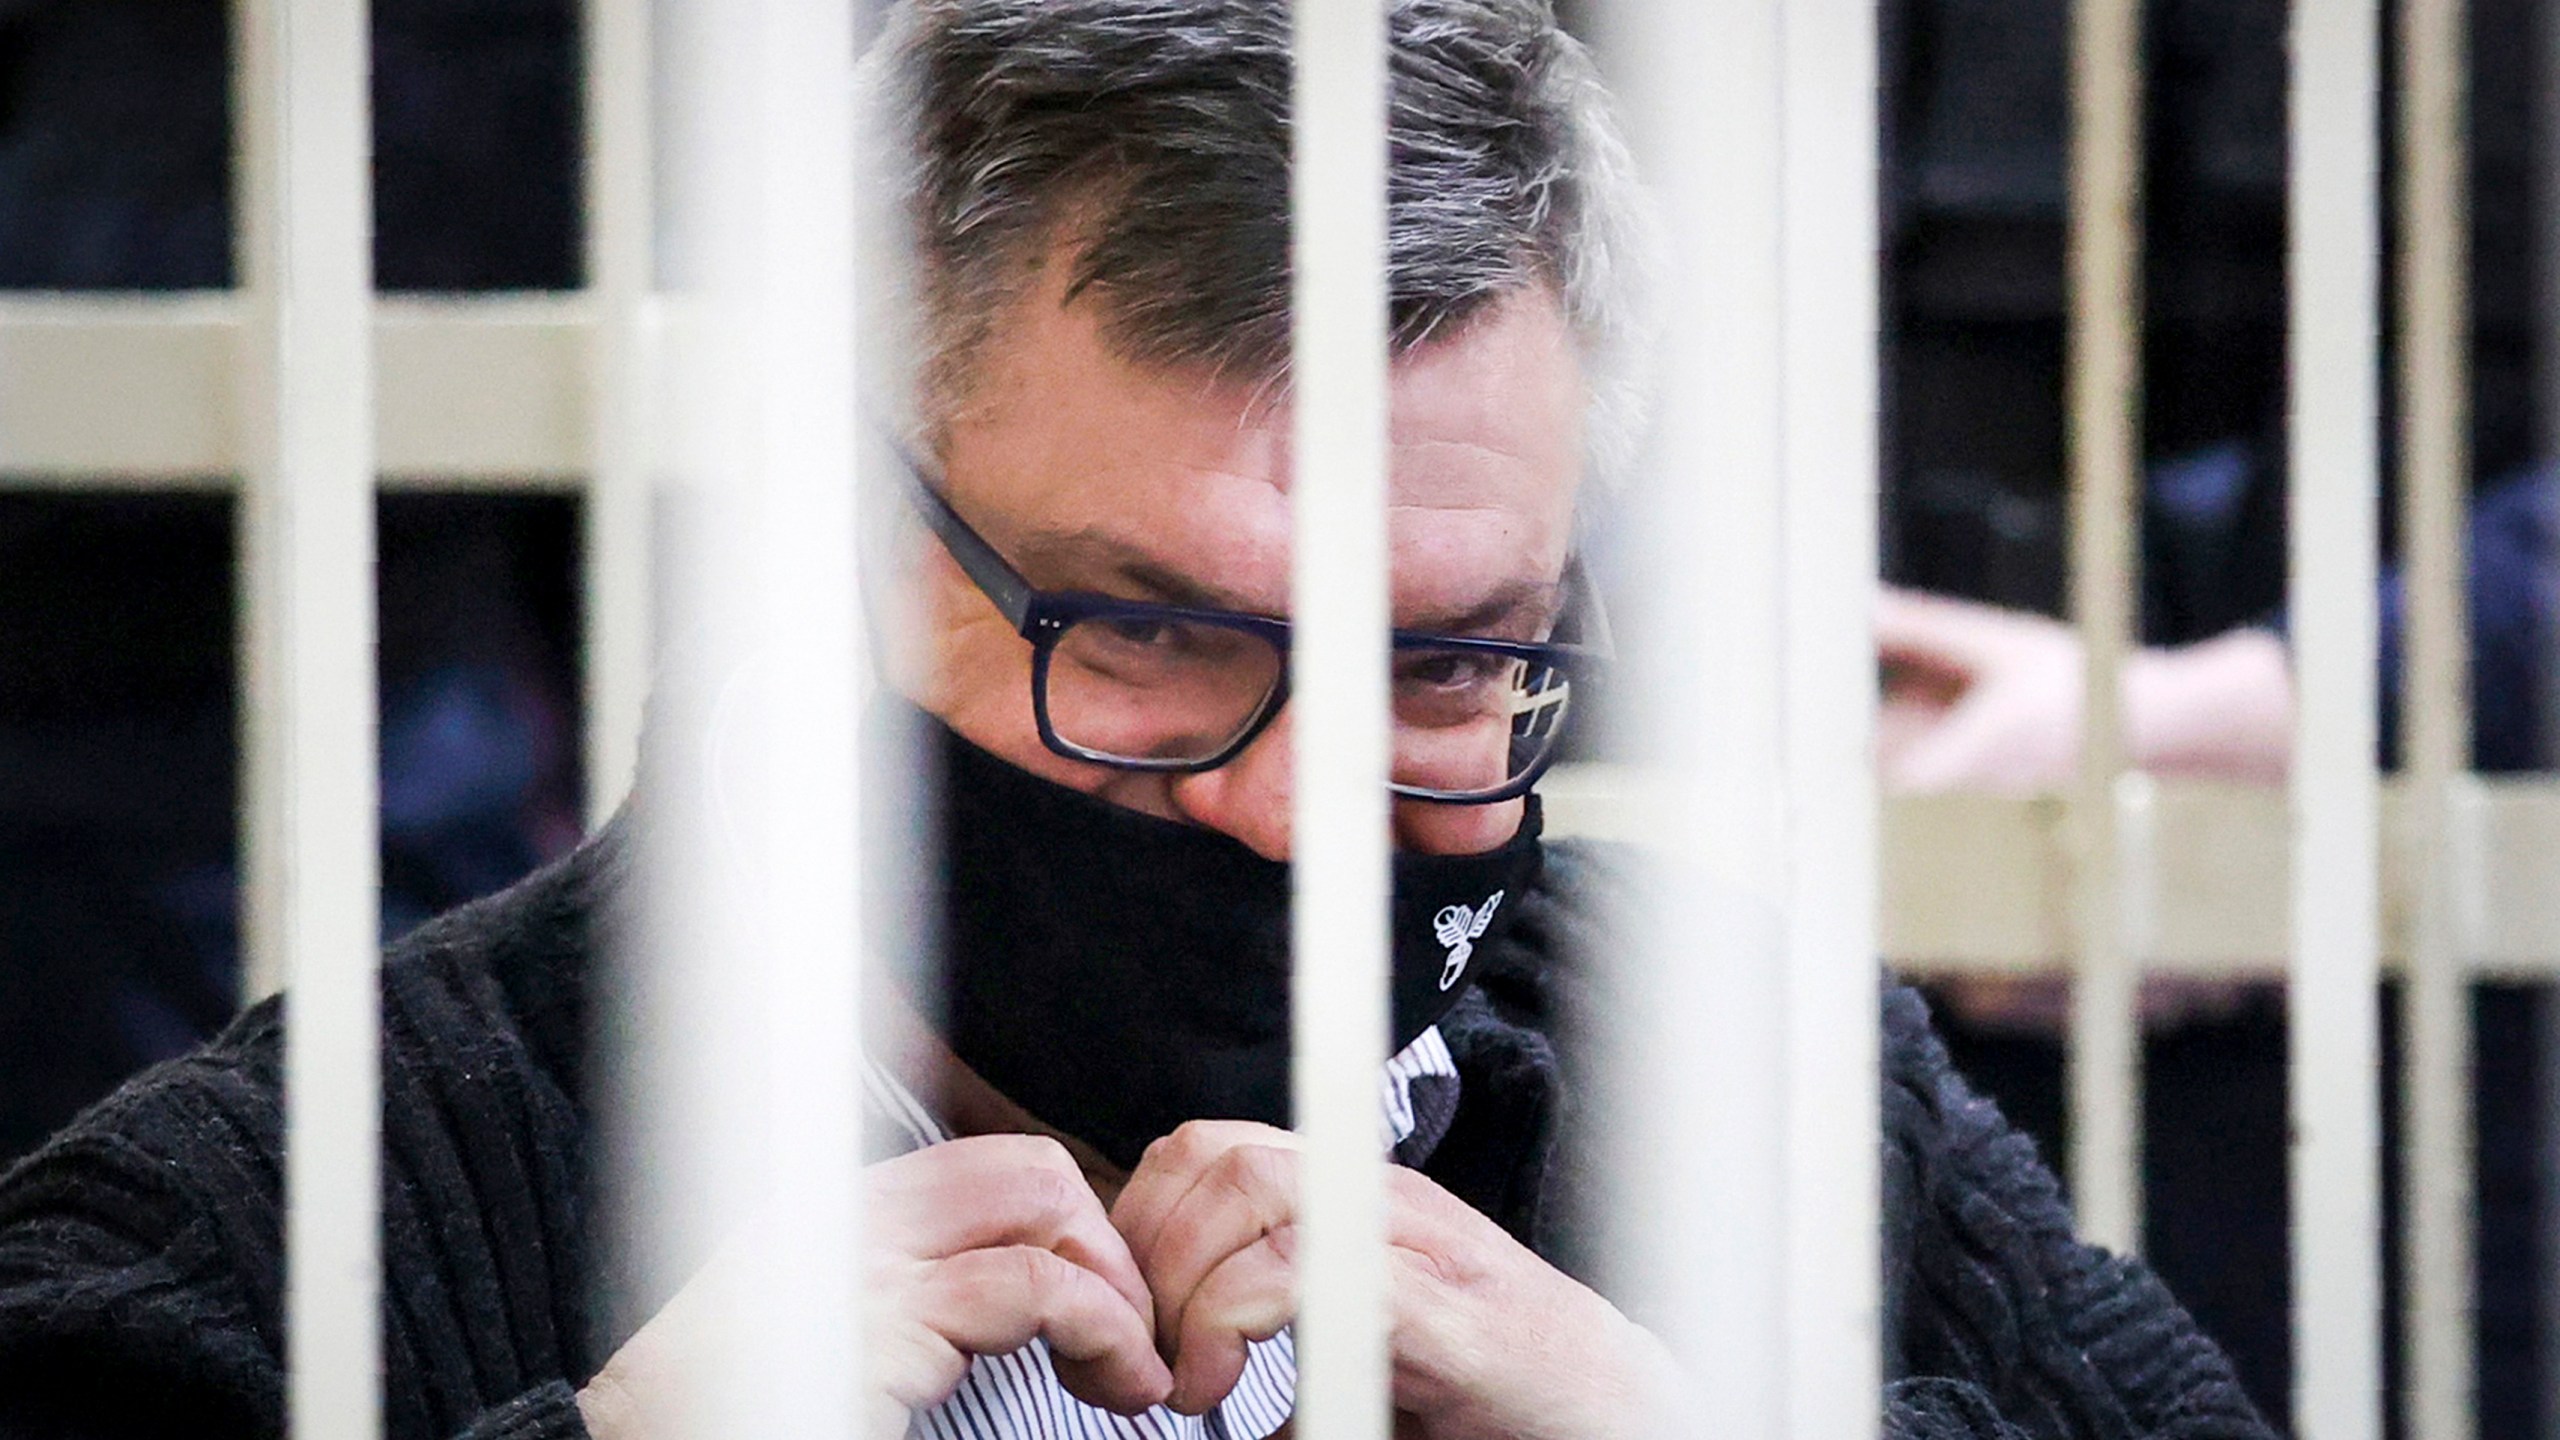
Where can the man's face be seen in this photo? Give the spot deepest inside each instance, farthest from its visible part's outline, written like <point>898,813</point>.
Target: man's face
<point>1090,472</point>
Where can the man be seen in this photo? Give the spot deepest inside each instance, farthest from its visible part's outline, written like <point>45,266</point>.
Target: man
<point>1089,1229</point>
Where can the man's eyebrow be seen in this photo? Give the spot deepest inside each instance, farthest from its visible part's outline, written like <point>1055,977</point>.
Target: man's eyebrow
<point>1086,557</point>
<point>1515,609</point>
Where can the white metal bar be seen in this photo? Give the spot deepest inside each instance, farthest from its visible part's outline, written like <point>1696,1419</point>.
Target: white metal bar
<point>2104,381</point>
<point>615,574</point>
<point>310,909</point>
<point>1829,368</point>
<point>1981,883</point>
<point>149,390</point>
<point>487,391</point>
<point>1699,1240</point>
<point>1338,679</point>
<point>152,386</point>
<point>2435,713</point>
<point>809,622</point>
<point>2334,328</point>
<point>761,946</point>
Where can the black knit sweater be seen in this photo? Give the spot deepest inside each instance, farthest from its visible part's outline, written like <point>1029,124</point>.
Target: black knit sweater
<point>141,1280</point>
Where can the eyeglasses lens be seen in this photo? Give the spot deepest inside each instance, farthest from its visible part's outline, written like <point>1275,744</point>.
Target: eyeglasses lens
<point>1157,690</point>
<point>1468,722</point>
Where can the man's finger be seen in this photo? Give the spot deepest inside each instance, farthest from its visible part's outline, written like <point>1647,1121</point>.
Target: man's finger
<point>1240,1197</point>
<point>1249,1296</point>
<point>995,1301</point>
<point>1172,1166</point>
<point>996,1190</point>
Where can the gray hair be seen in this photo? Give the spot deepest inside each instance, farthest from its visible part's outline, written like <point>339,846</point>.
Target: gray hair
<point>1152,136</point>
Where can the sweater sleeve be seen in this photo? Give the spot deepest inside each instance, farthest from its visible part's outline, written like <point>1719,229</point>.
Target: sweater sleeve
<point>1993,1295</point>
<point>126,1309</point>
<point>1942,1410</point>
<point>141,1251</point>
<point>547,1412</point>
<point>122,1311</point>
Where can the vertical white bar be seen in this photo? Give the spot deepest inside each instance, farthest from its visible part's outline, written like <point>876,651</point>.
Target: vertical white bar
<point>2104,380</point>
<point>311,911</point>
<point>767,174</point>
<point>2435,713</point>
<point>1829,369</point>
<point>257,183</point>
<point>616,562</point>
<point>2543,206</point>
<point>2334,329</point>
<point>1338,679</point>
<point>752,998</point>
<point>1700,1240</point>
<point>808,626</point>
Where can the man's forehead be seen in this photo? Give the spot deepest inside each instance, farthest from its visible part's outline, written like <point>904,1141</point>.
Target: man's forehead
<point>1158,564</point>
<point>1092,471</point>
<point>1490,415</point>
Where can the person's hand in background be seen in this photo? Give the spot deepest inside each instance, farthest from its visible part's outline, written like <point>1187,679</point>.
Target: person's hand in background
<point>1982,698</point>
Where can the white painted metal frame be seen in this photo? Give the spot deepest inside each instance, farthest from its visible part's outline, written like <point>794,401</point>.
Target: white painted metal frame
<point>276,383</point>
<point>146,390</point>
<point>309,913</point>
<point>1829,419</point>
<point>1753,669</point>
<point>1338,700</point>
<point>1702,1158</point>
<point>2104,381</point>
<point>2334,329</point>
<point>616,570</point>
<point>2435,726</point>
<point>755,829</point>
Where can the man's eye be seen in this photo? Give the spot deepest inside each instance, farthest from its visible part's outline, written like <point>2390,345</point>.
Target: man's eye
<point>1450,670</point>
<point>1137,632</point>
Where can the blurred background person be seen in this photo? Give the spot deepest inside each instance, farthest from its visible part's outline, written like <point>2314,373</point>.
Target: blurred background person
<point>1982,687</point>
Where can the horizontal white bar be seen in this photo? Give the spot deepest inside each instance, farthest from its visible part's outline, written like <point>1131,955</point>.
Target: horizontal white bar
<point>148,389</point>
<point>1980,882</point>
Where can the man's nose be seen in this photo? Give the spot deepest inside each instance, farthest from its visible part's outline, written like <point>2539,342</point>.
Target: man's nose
<point>1249,796</point>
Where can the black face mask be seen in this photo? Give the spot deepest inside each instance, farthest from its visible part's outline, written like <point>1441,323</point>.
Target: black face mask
<point>1117,974</point>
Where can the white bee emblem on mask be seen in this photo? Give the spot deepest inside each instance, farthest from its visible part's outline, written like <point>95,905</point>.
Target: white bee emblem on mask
<point>1460,928</point>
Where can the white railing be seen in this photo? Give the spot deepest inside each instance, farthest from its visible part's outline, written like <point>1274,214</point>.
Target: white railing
<point>309,916</point>
<point>2444,876</point>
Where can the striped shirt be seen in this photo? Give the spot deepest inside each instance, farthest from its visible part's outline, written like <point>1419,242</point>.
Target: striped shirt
<point>1018,1397</point>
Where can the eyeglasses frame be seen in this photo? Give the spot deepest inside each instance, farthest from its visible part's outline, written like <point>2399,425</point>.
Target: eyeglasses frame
<point>1043,617</point>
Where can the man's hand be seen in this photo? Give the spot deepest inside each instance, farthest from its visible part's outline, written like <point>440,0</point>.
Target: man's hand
<point>1488,1339</point>
<point>981,1244</point>
<point>975,1247</point>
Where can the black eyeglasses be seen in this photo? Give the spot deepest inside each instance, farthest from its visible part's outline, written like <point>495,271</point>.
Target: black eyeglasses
<point>1141,686</point>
